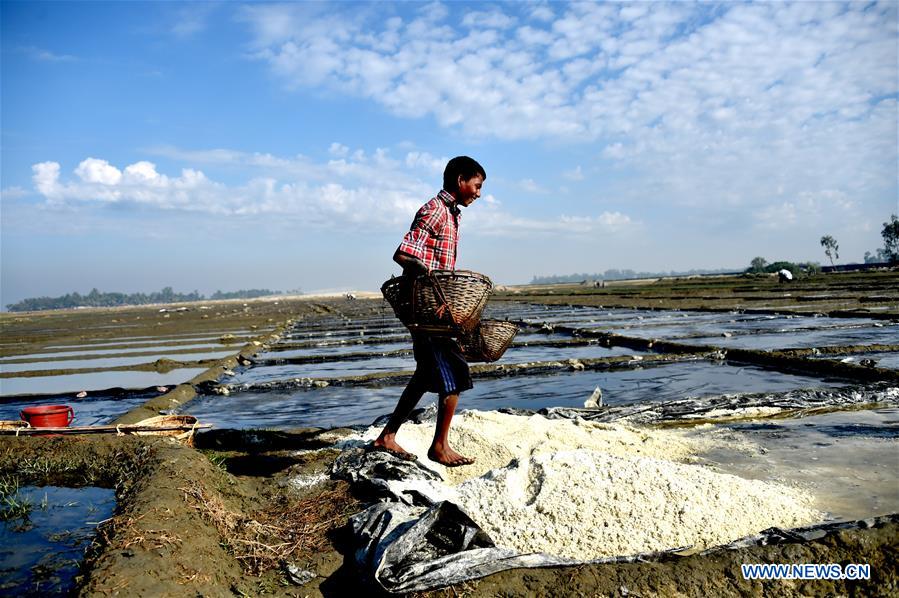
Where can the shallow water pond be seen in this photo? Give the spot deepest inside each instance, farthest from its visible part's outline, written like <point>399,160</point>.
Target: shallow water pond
<point>887,359</point>
<point>342,406</point>
<point>41,550</point>
<point>94,381</point>
<point>328,369</point>
<point>826,337</point>
<point>848,459</point>
<point>378,363</point>
<point>105,362</point>
<point>92,410</point>
<point>335,350</point>
<point>104,352</point>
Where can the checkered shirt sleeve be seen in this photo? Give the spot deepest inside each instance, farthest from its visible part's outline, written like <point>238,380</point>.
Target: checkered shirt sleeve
<point>433,236</point>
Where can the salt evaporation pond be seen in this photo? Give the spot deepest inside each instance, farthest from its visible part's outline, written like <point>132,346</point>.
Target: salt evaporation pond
<point>210,337</point>
<point>94,381</point>
<point>375,363</point>
<point>687,324</point>
<point>886,359</point>
<point>847,458</point>
<point>105,352</point>
<point>95,409</point>
<point>339,349</point>
<point>886,334</point>
<point>40,553</point>
<point>352,405</point>
<point>348,336</point>
<point>106,362</point>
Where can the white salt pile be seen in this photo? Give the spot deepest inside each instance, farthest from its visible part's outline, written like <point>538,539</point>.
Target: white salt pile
<point>584,490</point>
<point>494,439</point>
<point>585,504</point>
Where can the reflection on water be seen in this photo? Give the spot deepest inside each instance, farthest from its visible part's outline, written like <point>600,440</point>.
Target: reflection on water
<point>211,337</point>
<point>104,352</point>
<point>888,334</point>
<point>341,406</point>
<point>94,409</point>
<point>331,369</point>
<point>336,350</point>
<point>848,459</point>
<point>40,552</point>
<point>94,381</point>
<point>106,362</point>
<point>377,363</point>
<point>887,359</point>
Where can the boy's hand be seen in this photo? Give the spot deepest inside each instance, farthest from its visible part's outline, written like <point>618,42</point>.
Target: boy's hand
<point>411,265</point>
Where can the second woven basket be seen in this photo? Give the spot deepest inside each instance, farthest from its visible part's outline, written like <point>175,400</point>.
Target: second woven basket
<point>488,341</point>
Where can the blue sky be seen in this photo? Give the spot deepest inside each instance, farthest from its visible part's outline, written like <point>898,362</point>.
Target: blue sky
<point>227,145</point>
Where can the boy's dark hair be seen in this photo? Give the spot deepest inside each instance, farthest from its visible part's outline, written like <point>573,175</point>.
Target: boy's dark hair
<point>460,165</point>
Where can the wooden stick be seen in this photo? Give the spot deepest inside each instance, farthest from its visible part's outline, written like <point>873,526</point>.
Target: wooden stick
<point>124,428</point>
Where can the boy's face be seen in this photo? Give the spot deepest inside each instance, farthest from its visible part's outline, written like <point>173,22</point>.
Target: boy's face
<point>469,190</point>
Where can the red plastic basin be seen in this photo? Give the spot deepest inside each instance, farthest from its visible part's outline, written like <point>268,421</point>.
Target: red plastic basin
<point>48,416</point>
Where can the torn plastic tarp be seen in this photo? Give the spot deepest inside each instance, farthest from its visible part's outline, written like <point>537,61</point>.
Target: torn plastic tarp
<point>802,399</point>
<point>417,539</point>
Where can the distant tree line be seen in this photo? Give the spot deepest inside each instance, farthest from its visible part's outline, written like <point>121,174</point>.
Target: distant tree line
<point>889,253</point>
<point>616,274</point>
<point>99,299</point>
<point>760,265</point>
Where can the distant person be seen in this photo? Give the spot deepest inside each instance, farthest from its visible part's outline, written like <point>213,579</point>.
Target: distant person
<point>431,244</point>
<point>784,275</point>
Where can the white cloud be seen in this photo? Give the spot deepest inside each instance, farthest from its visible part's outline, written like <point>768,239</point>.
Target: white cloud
<point>338,149</point>
<point>348,194</point>
<point>426,162</point>
<point>14,192</point>
<point>530,186</point>
<point>710,104</point>
<point>574,175</point>
<point>192,18</point>
<point>46,55</point>
<point>46,179</point>
<point>92,170</point>
<point>490,20</point>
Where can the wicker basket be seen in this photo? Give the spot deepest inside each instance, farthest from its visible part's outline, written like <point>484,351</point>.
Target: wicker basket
<point>446,302</point>
<point>488,341</point>
<point>162,421</point>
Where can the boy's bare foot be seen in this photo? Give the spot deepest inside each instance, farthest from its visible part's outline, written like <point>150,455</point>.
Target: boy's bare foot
<point>448,457</point>
<point>388,444</point>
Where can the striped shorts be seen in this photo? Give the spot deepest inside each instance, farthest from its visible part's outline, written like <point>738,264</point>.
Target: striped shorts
<point>440,366</point>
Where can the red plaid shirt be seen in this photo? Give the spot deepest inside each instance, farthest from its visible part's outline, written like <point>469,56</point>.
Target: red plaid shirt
<point>434,234</point>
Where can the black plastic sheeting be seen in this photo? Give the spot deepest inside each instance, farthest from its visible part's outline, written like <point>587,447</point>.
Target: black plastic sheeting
<point>414,539</point>
<point>693,409</point>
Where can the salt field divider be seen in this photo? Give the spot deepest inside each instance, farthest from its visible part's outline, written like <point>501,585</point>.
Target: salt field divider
<point>87,356</point>
<point>403,352</point>
<point>186,392</point>
<point>698,410</point>
<point>785,360</point>
<point>338,342</point>
<point>483,371</point>
<point>160,365</point>
<point>214,341</point>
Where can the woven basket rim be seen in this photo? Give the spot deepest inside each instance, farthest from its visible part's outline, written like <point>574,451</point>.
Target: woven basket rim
<point>164,420</point>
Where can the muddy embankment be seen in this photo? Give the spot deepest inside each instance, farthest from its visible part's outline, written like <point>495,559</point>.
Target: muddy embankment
<point>237,514</point>
<point>225,518</point>
<point>183,524</point>
<point>851,294</point>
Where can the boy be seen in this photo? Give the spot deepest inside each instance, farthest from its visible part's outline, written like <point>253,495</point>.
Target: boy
<point>431,244</point>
